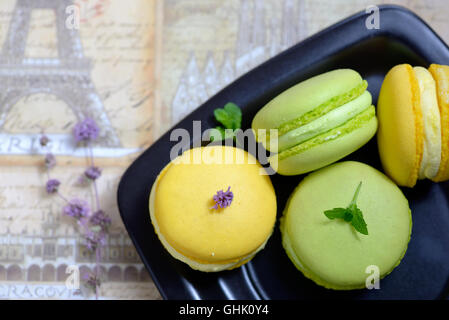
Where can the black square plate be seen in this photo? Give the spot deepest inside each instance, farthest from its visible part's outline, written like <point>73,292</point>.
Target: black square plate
<point>423,274</point>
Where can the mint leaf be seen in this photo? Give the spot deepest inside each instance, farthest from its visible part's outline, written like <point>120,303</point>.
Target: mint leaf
<point>351,214</point>
<point>339,213</point>
<point>235,114</point>
<point>358,222</point>
<point>222,116</point>
<point>230,116</point>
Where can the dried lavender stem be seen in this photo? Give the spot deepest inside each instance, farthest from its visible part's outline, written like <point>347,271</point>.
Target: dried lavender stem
<point>62,197</point>
<point>97,269</point>
<point>97,199</point>
<point>91,154</point>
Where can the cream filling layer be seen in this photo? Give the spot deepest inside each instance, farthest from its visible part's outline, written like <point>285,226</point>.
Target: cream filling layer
<point>430,163</point>
<point>332,119</point>
<point>206,267</point>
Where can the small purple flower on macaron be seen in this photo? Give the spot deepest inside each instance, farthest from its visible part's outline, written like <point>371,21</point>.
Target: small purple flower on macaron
<point>223,199</point>
<point>52,186</point>
<point>86,130</point>
<point>92,173</point>
<point>77,209</point>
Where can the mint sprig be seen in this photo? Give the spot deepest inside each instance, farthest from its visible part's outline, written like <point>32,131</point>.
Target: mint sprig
<point>230,116</point>
<point>351,214</point>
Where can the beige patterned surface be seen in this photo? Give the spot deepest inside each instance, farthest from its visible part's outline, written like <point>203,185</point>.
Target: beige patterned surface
<point>36,241</point>
<point>153,62</point>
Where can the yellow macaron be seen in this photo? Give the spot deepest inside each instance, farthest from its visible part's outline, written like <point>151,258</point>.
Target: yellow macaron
<point>412,132</point>
<point>193,226</point>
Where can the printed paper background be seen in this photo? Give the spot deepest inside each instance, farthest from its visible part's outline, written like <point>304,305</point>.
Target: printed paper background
<point>151,63</point>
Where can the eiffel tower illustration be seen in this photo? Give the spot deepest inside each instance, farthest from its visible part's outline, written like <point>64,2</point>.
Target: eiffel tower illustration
<point>68,76</point>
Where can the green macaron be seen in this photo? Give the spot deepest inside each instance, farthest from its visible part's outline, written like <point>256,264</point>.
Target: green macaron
<point>333,252</point>
<point>318,121</point>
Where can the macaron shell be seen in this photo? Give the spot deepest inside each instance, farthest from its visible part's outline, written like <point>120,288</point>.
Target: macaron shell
<point>441,75</point>
<point>184,200</point>
<point>304,97</point>
<point>195,264</point>
<point>325,153</point>
<point>331,252</point>
<point>400,135</point>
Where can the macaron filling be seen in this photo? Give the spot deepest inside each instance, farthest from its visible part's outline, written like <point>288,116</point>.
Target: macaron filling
<point>431,159</point>
<point>319,111</point>
<point>328,121</point>
<point>324,108</point>
<point>354,123</point>
<point>441,75</point>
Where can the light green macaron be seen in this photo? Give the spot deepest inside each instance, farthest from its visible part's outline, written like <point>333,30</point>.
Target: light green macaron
<point>318,121</point>
<point>330,251</point>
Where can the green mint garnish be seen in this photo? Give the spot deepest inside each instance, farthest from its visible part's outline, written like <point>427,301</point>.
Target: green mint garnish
<point>351,214</point>
<point>230,116</point>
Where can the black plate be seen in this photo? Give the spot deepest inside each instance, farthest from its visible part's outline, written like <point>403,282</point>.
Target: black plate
<point>424,272</point>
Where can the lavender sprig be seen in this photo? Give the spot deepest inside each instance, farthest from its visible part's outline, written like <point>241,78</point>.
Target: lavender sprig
<point>50,161</point>
<point>101,219</point>
<point>44,140</point>
<point>92,280</point>
<point>92,173</point>
<point>223,199</point>
<point>95,225</point>
<point>95,239</point>
<point>86,131</point>
<point>77,209</point>
<point>52,185</point>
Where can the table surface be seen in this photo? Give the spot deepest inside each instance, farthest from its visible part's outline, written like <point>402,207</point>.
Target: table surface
<point>151,63</point>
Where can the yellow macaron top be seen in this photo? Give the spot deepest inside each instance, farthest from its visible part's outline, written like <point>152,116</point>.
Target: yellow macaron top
<point>183,204</point>
<point>400,135</point>
<point>441,75</point>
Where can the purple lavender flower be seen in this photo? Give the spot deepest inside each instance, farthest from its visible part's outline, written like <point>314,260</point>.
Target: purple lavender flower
<point>92,173</point>
<point>223,199</point>
<point>100,218</point>
<point>44,140</point>
<point>94,239</point>
<point>50,161</point>
<point>77,209</point>
<point>52,185</point>
<point>91,280</point>
<point>86,130</point>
